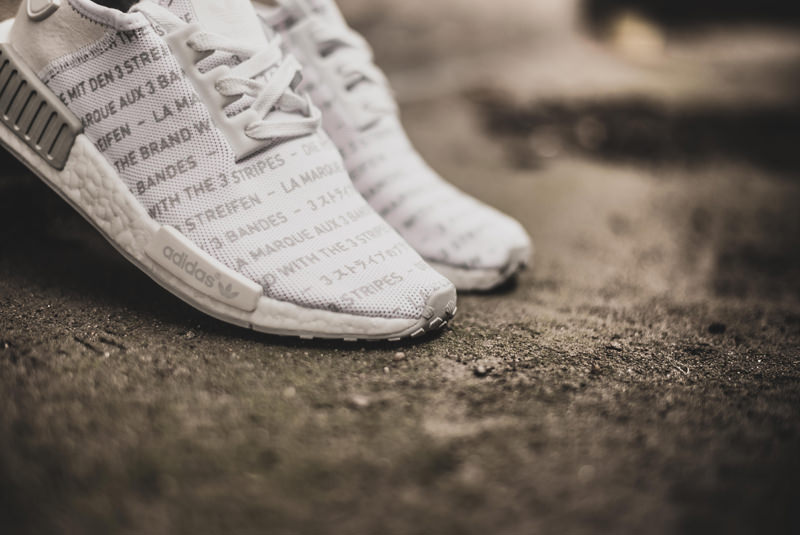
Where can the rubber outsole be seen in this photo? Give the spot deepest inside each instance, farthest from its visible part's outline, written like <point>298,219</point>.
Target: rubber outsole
<point>483,280</point>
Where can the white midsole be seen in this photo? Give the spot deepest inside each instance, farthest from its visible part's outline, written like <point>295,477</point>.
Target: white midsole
<point>91,186</point>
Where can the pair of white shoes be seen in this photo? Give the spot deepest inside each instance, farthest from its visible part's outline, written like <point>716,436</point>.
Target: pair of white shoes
<point>250,159</point>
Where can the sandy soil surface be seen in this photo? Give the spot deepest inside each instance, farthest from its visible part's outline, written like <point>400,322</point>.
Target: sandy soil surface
<point>642,377</point>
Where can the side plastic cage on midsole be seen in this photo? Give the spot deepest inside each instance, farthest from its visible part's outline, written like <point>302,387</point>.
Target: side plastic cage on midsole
<point>35,115</point>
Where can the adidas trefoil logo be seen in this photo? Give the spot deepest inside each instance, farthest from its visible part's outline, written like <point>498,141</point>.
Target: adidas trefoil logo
<point>227,291</point>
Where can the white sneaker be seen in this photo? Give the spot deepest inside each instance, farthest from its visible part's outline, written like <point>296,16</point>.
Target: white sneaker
<point>191,152</point>
<point>473,245</point>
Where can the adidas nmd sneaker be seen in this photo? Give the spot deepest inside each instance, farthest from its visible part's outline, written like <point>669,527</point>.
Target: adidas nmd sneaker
<point>470,243</point>
<point>179,133</point>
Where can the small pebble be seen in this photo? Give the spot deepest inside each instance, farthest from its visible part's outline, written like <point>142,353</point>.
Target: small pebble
<point>399,356</point>
<point>359,402</point>
<point>482,371</point>
<point>190,335</point>
<point>289,392</point>
<point>614,346</point>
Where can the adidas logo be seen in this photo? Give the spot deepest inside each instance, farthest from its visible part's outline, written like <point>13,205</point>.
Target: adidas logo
<point>227,291</point>
<point>196,271</point>
<point>190,267</point>
<point>174,253</point>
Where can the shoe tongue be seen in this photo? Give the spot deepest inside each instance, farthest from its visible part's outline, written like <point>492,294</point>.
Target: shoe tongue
<point>326,9</point>
<point>233,18</point>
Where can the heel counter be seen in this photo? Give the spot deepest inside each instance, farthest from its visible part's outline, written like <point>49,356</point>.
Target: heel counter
<point>33,113</point>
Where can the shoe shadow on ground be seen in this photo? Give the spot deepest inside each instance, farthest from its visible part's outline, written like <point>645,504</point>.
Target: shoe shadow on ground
<point>49,250</point>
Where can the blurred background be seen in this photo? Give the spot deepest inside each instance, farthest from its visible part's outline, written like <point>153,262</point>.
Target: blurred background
<point>642,377</point>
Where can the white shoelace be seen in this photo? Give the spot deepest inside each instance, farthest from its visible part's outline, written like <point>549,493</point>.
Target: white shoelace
<point>265,76</point>
<point>268,78</point>
<point>353,60</point>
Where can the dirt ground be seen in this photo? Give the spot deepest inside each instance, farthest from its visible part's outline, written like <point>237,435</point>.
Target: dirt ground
<point>642,377</point>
